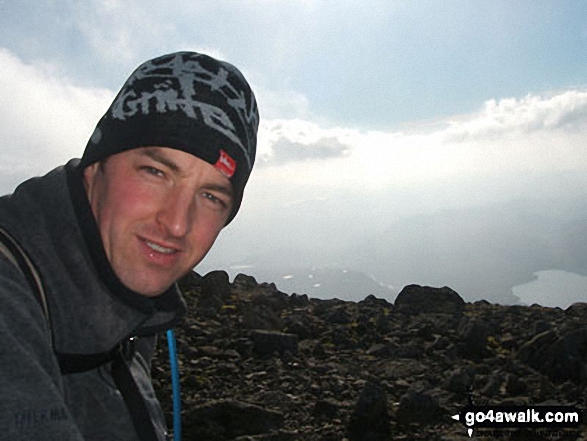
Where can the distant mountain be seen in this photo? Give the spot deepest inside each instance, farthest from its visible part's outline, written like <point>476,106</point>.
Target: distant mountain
<point>482,252</point>
<point>322,283</point>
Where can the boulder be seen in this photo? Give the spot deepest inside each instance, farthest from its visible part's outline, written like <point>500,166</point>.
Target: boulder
<point>419,407</point>
<point>299,301</point>
<point>191,281</point>
<point>561,358</point>
<point>214,289</point>
<point>370,419</point>
<point>415,299</point>
<point>255,316</point>
<point>228,419</point>
<point>244,282</point>
<point>265,343</point>
<point>578,309</point>
<point>373,301</point>
<point>326,409</point>
<point>474,333</point>
<point>460,381</point>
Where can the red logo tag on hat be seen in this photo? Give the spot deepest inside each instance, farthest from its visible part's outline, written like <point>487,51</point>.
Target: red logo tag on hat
<point>225,164</point>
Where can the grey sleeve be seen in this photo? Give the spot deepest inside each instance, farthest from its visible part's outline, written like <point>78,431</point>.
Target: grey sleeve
<point>32,405</point>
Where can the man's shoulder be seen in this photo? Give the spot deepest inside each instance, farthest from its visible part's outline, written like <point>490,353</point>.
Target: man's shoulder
<point>34,201</point>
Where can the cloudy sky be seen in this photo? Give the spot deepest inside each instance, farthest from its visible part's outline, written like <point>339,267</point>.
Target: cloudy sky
<point>384,125</point>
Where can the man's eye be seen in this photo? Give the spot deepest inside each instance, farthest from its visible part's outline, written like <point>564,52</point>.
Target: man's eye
<point>214,199</point>
<point>152,170</point>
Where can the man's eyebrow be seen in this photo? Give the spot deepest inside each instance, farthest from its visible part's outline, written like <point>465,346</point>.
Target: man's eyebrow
<point>158,157</point>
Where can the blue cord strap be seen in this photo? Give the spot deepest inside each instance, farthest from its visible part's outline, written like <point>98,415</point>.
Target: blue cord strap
<point>175,383</point>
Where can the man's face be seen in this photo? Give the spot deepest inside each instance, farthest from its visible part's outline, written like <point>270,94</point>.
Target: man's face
<point>159,211</point>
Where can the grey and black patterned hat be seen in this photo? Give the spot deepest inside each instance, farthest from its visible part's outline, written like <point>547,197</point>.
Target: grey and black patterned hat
<point>185,101</point>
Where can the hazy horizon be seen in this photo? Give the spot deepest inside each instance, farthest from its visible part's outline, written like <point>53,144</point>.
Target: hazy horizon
<point>470,249</point>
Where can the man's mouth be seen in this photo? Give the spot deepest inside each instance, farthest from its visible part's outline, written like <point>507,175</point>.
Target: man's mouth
<point>159,248</point>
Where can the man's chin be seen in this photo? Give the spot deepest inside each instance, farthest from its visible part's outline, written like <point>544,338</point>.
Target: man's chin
<point>151,294</point>
<point>148,281</point>
<point>149,289</point>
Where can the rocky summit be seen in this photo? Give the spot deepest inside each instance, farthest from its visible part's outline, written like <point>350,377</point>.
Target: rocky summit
<point>259,364</point>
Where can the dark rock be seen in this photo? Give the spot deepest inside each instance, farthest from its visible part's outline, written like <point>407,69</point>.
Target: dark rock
<point>541,326</point>
<point>380,350</point>
<point>342,339</point>
<point>493,385</point>
<point>514,385</point>
<point>531,351</point>
<point>460,381</point>
<point>415,299</point>
<point>297,327</point>
<point>191,281</point>
<point>214,289</point>
<point>244,347</point>
<point>561,358</point>
<point>326,409</point>
<point>228,419</point>
<point>244,282</point>
<point>509,342</point>
<point>383,323</point>
<point>474,333</point>
<point>272,299</point>
<point>402,369</point>
<point>413,350</point>
<point>577,310</point>
<point>419,407</point>
<point>265,343</point>
<point>371,300</point>
<point>370,419</point>
<point>299,301</point>
<point>270,288</point>
<point>440,343</point>
<point>318,350</point>
<point>261,317</point>
<point>339,316</point>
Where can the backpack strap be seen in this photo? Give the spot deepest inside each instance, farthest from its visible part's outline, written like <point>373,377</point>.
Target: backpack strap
<point>12,250</point>
<point>120,355</point>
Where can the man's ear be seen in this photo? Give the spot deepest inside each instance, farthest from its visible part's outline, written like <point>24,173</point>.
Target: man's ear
<point>90,175</point>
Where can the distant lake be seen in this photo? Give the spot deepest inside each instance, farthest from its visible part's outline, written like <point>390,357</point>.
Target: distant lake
<point>553,288</point>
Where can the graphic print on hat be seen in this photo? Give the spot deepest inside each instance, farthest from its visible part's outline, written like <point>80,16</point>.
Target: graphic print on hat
<point>179,83</point>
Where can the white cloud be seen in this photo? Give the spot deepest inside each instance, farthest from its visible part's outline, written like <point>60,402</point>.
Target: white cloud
<point>45,120</point>
<point>501,152</point>
<point>513,117</point>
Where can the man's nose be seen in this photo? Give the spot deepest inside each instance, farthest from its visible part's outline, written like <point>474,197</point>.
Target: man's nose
<point>176,212</point>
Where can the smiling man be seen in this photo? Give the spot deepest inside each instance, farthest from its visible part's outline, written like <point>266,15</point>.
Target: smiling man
<point>91,252</point>
<point>159,211</point>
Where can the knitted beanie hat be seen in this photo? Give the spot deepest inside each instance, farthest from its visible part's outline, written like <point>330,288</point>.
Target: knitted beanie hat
<point>185,101</point>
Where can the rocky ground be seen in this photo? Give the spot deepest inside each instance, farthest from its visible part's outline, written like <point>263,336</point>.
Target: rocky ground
<point>258,364</point>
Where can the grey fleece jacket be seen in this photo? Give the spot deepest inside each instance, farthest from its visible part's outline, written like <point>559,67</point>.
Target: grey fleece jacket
<point>90,309</point>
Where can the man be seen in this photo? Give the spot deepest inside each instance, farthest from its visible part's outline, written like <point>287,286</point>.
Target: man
<point>108,237</point>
